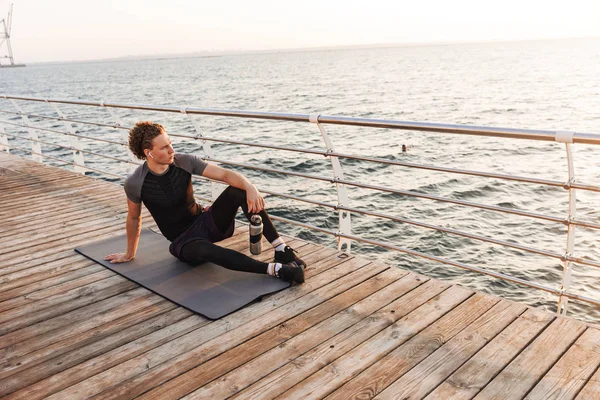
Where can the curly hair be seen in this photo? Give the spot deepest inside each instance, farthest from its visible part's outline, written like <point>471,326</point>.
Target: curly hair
<point>141,136</point>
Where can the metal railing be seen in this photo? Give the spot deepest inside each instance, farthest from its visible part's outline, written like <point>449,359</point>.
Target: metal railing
<point>344,210</point>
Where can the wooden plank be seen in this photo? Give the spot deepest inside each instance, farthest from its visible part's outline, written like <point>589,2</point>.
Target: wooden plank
<point>15,319</point>
<point>161,364</point>
<point>476,373</point>
<point>46,194</point>
<point>31,223</point>
<point>116,308</point>
<point>23,298</point>
<point>517,379</point>
<point>108,201</point>
<point>26,289</point>
<point>85,313</point>
<point>34,185</point>
<point>307,329</point>
<point>69,233</point>
<point>329,374</point>
<point>64,247</point>
<point>32,275</point>
<point>572,371</point>
<point>433,370</point>
<point>274,372</point>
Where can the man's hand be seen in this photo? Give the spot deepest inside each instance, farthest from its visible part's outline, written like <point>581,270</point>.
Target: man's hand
<point>255,200</point>
<point>118,258</point>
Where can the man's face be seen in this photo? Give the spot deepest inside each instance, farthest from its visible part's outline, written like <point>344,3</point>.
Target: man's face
<point>162,151</point>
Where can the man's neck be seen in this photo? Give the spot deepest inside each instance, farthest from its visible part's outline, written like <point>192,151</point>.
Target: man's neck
<point>157,168</point>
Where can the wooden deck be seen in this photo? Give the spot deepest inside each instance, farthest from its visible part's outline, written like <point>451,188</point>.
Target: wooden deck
<point>71,329</point>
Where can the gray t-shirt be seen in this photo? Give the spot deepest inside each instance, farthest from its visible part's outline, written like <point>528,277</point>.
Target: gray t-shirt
<point>169,196</point>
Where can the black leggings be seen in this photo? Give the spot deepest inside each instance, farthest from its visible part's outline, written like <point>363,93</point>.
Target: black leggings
<point>226,206</point>
<point>224,210</point>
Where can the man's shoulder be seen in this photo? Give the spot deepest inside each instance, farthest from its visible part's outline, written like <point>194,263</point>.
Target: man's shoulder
<point>189,162</point>
<point>184,157</point>
<point>138,174</point>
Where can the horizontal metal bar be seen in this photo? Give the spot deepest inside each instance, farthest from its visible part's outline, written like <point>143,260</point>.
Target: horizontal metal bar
<point>582,261</point>
<point>73,148</point>
<point>115,126</point>
<point>585,224</point>
<point>250,144</point>
<point>460,202</point>
<point>581,298</point>
<point>314,177</point>
<point>455,232</point>
<point>583,186</point>
<point>63,133</point>
<point>289,196</point>
<point>64,161</point>
<point>531,134</point>
<point>461,171</point>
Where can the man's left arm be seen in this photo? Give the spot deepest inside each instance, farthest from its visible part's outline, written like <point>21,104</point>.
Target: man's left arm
<point>255,200</point>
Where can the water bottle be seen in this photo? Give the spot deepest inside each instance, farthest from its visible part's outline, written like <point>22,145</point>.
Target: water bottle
<point>256,229</point>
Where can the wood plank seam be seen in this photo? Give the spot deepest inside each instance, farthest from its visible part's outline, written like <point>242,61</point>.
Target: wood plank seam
<point>596,371</point>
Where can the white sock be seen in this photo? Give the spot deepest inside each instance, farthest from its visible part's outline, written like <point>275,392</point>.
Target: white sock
<point>278,244</point>
<point>273,268</point>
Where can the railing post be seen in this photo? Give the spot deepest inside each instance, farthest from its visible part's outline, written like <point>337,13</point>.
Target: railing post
<point>36,147</point>
<point>345,224</point>
<point>208,151</point>
<point>73,140</point>
<point>3,140</point>
<point>124,134</point>
<point>567,138</point>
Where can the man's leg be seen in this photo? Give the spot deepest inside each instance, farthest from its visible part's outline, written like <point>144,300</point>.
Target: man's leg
<point>224,210</point>
<point>199,251</point>
<point>226,206</point>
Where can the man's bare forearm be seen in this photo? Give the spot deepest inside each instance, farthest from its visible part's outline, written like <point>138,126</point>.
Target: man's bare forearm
<point>133,227</point>
<point>237,180</point>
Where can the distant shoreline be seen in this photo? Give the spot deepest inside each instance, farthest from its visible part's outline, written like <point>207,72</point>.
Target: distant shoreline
<point>214,54</point>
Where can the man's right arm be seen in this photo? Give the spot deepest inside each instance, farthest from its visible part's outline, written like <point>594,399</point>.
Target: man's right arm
<point>133,227</point>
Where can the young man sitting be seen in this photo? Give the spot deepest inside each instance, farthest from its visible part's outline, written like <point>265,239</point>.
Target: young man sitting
<point>164,184</point>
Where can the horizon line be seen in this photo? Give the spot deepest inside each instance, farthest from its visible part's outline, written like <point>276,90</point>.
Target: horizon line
<point>220,53</point>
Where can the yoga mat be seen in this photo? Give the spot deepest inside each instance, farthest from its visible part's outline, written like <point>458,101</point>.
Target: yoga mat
<point>207,289</point>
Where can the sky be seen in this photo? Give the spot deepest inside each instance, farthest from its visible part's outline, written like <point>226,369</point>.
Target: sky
<point>68,30</point>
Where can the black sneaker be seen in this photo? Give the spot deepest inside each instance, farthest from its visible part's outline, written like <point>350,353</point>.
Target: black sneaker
<point>287,256</point>
<point>291,273</point>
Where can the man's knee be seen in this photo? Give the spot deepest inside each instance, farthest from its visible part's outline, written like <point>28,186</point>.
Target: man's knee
<point>197,249</point>
<point>238,194</point>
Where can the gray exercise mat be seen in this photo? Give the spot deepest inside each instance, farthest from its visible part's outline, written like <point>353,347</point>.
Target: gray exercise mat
<point>206,289</point>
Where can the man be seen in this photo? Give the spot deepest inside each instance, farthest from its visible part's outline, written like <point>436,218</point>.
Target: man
<point>163,183</point>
